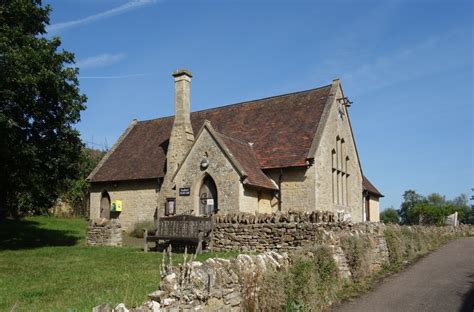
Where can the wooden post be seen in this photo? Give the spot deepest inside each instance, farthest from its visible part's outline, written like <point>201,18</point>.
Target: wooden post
<point>199,246</point>
<point>145,235</point>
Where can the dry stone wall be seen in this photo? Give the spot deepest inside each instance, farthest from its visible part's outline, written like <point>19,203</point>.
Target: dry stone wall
<point>103,232</point>
<point>234,284</point>
<point>278,232</point>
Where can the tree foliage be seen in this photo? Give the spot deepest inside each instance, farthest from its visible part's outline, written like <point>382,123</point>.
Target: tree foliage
<point>434,208</point>
<point>40,102</point>
<point>76,193</point>
<point>410,199</point>
<point>390,215</point>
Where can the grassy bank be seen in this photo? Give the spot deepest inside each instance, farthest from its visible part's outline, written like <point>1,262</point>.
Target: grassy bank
<point>45,266</point>
<point>313,282</point>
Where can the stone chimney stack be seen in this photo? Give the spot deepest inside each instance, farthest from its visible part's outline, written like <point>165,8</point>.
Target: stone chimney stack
<point>182,136</point>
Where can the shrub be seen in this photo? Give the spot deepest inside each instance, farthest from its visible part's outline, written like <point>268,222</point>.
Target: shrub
<point>271,295</point>
<point>390,215</point>
<point>140,226</point>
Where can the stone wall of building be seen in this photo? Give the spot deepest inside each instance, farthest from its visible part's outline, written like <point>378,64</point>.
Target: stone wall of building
<point>297,188</point>
<point>337,125</point>
<point>267,202</point>
<point>139,200</point>
<point>103,232</point>
<point>374,209</point>
<point>220,169</point>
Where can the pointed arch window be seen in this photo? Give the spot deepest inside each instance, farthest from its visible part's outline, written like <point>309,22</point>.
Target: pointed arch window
<point>334,175</point>
<point>340,173</point>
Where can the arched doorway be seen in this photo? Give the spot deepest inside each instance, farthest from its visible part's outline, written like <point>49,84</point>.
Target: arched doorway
<point>105,205</point>
<point>208,197</point>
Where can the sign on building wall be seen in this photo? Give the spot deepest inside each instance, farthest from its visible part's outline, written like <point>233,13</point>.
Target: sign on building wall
<point>184,191</point>
<point>116,206</point>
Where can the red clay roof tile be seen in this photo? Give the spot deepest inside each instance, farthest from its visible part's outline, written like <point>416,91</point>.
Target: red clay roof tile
<point>280,128</point>
<point>369,187</point>
<point>245,156</point>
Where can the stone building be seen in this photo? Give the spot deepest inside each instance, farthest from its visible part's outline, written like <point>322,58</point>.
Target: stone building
<point>288,152</point>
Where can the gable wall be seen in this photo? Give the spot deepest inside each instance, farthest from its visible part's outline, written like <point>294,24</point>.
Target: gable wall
<point>138,200</point>
<point>229,188</point>
<point>323,165</point>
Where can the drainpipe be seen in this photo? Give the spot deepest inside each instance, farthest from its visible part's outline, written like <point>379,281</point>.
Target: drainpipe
<point>280,179</point>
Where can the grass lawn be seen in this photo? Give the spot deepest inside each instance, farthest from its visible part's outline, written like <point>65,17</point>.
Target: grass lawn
<point>45,266</point>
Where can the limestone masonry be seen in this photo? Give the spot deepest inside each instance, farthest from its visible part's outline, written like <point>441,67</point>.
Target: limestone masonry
<point>291,152</point>
<point>234,284</point>
<point>103,232</point>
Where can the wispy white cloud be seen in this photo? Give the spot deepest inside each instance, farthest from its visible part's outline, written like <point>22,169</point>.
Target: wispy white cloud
<point>133,4</point>
<point>116,77</point>
<point>432,56</point>
<point>100,60</point>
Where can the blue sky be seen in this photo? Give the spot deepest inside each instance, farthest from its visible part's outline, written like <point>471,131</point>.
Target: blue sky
<point>406,65</point>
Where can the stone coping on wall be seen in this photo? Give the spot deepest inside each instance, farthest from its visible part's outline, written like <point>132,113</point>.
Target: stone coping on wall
<point>281,234</point>
<point>280,217</point>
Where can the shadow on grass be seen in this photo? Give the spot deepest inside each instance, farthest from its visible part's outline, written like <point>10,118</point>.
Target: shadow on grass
<point>27,234</point>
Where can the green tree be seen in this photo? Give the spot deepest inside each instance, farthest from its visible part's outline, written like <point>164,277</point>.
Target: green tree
<point>410,199</point>
<point>436,199</point>
<point>461,205</point>
<point>76,194</point>
<point>390,215</point>
<point>40,103</point>
<point>430,214</point>
<point>436,208</point>
<point>469,216</point>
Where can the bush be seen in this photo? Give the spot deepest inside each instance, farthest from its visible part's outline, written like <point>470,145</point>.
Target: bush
<point>390,215</point>
<point>140,226</point>
<point>271,295</point>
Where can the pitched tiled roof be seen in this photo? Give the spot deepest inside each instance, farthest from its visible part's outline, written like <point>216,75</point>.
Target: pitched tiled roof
<point>280,129</point>
<point>369,187</point>
<point>245,156</point>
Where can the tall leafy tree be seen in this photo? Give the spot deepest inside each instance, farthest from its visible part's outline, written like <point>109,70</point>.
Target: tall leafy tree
<point>410,199</point>
<point>76,194</point>
<point>40,103</point>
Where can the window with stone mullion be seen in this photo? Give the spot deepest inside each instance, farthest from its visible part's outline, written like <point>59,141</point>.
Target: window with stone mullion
<point>340,174</point>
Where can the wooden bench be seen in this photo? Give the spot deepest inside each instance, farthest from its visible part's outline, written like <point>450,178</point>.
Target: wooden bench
<point>181,228</point>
